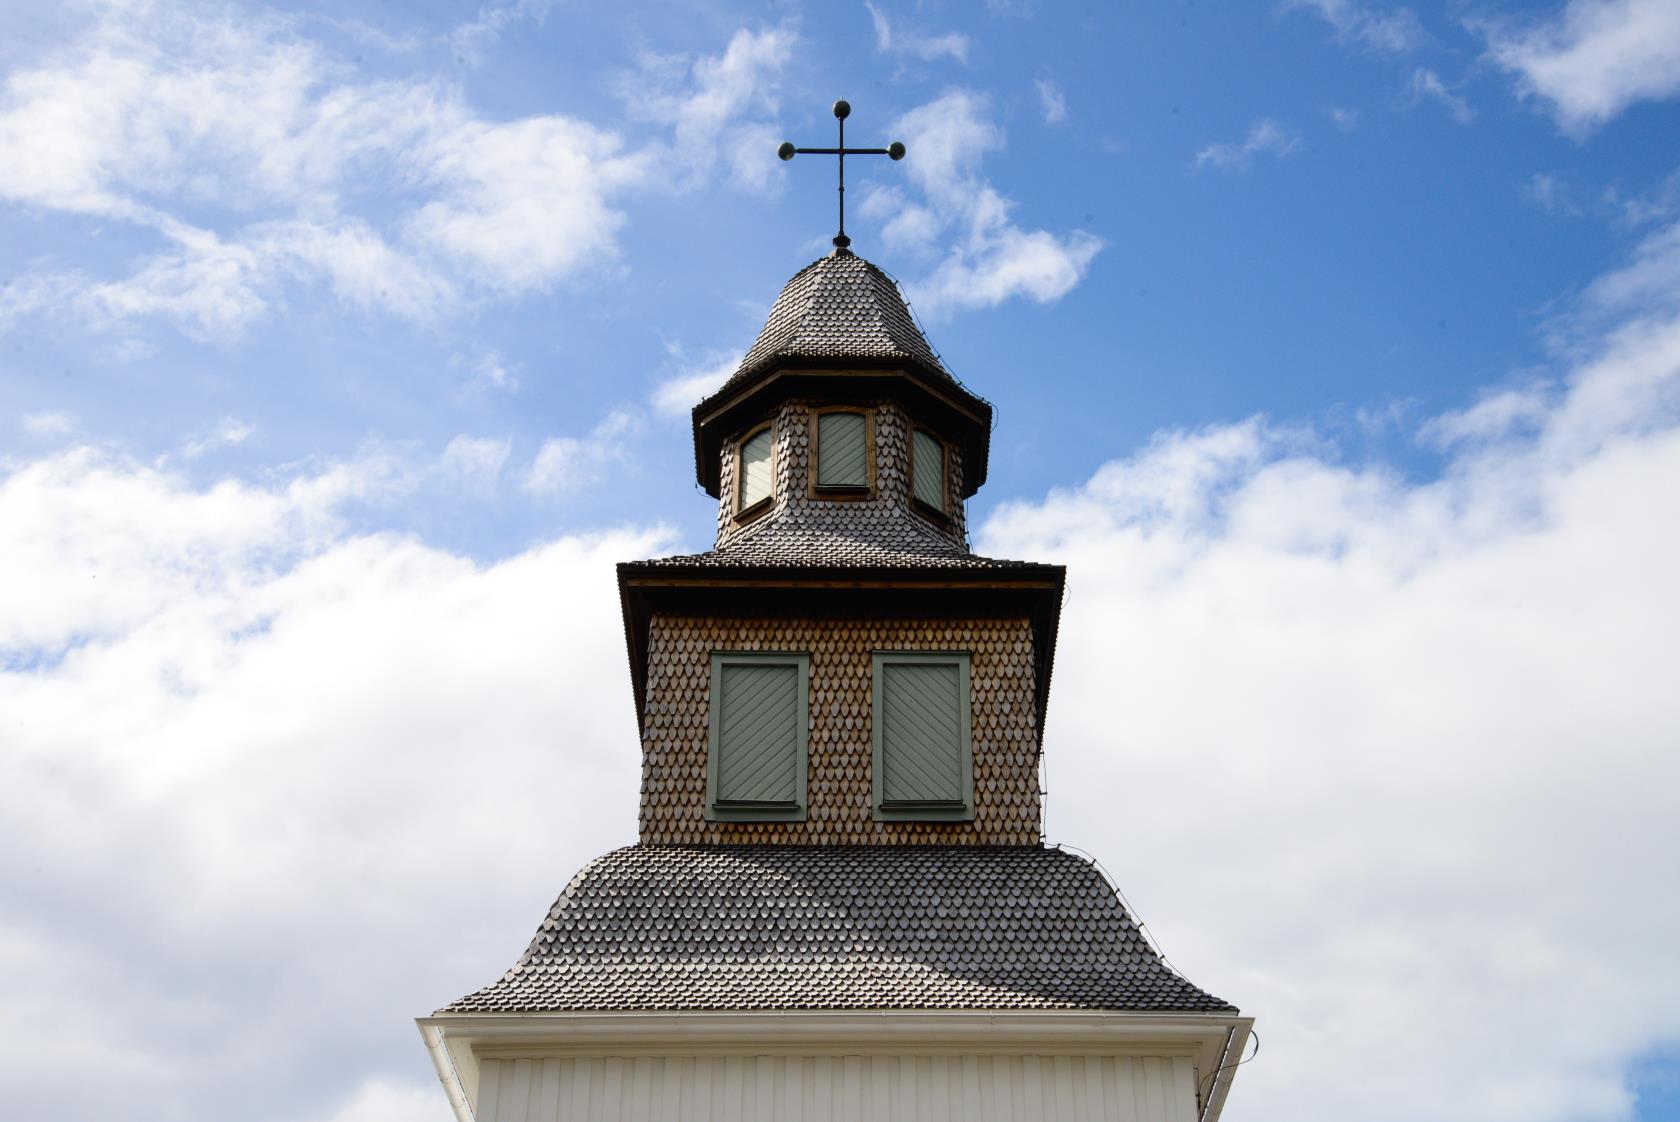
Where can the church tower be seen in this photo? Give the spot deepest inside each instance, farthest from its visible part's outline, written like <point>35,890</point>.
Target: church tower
<point>840,906</point>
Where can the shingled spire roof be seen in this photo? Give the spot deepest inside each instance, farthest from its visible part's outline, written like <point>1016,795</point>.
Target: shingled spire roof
<point>841,306</point>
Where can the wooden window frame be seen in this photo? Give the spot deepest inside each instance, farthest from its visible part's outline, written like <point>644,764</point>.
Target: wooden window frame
<point>719,811</point>
<point>744,514</point>
<point>940,514</point>
<point>942,811</point>
<point>848,492</point>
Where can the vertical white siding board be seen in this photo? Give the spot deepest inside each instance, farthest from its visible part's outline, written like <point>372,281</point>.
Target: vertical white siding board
<point>924,1088</point>
<point>575,1089</point>
<point>638,1077</point>
<point>880,1087</point>
<point>1093,1102</point>
<point>822,1086</point>
<point>708,1093</point>
<point>548,1092</point>
<point>1032,1090</point>
<point>939,1086</point>
<point>971,1086</point>
<point>1064,1087</point>
<point>763,1077</point>
<point>1155,1088</point>
<point>612,1088</point>
<point>798,1088</point>
<point>851,1077</point>
<point>489,1084</point>
<point>732,1099</point>
<point>517,1106</point>
<point>1184,1088</point>
<point>1122,1107</point>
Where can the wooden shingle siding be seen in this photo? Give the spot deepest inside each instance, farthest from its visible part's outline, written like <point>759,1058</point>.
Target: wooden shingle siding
<point>756,739</point>
<point>839,1088</point>
<point>921,736</point>
<point>842,449</point>
<point>927,476</point>
<point>840,796</point>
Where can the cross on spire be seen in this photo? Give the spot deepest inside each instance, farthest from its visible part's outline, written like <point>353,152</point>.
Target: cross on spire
<point>842,110</point>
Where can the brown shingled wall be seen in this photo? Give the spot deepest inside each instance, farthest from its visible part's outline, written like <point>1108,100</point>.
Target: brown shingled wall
<point>1006,795</point>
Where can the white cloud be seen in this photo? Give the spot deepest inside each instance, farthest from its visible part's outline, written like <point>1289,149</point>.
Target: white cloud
<point>472,39</point>
<point>1345,118</point>
<point>257,763</point>
<point>1426,85</point>
<point>1395,31</point>
<point>894,41</point>
<point>476,458</point>
<point>48,424</point>
<point>1051,101</point>
<point>394,196</point>
<point>678,395</point>
<point>984,256</point>
<point>492,371</point>
<point>718,108</point>
<point>1595,59</point>
<point>1265,138</point>
<point>1551,194</point>
<point>1392,758</point>
<point>566,463</point>
<point>229,432</point>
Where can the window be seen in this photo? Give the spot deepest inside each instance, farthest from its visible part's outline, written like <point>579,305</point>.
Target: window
<point>842,451</point>
<point>927,470</point>
<point>754,471</point>
<point>923,757</point>
<point>756,763</point>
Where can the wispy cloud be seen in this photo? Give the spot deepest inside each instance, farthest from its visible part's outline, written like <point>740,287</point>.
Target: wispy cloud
<point>677,395</point>
<point>960,219</point>
<point>229,432</point>
<point>1426,85</point>
<point>719,108</point>
<point>564,464</point>
<point>1394,30</point>
<point>48,424</point>
<point>1265,138</point>
<point>1051,101</point>
<point>894,41</point>
<point>1593,60</point>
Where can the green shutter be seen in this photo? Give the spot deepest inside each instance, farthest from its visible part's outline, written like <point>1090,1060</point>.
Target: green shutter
<point>757,761</point>
<point>755,469</point>
<point>923,758</point>
<point>927,475</point>
<point>842,450</point>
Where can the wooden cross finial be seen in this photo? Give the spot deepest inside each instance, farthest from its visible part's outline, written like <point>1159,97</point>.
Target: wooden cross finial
<point>842,110</point>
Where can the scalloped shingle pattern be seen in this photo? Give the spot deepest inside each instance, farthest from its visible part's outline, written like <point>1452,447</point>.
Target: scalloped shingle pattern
<point>838,927</point>
<point>840,306</point>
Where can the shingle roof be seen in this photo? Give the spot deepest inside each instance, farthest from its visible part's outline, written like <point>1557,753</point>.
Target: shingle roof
<point>840,306</point>
<point>838,927</point>
<point>841,536</point>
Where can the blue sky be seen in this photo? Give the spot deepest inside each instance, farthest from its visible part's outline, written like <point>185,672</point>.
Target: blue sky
<point>1334,349</point>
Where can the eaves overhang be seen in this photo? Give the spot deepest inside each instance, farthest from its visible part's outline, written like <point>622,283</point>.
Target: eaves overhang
<point>458,1042</point>
<point>1032,591</point>
<point>933,399</point>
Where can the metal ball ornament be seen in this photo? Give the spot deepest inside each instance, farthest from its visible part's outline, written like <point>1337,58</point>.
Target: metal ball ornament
<point>842,109</point>
<point>895,150</point>
<point>786,150</point>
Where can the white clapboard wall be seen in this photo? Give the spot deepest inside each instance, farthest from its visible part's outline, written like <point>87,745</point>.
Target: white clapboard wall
<point>778,1088</point>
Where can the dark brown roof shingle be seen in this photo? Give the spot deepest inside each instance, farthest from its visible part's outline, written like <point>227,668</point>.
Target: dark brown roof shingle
<point>839,927</point>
